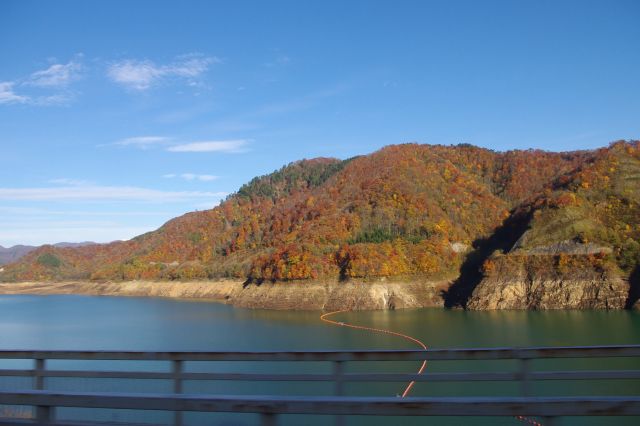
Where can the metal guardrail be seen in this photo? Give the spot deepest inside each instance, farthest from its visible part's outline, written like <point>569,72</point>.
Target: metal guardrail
<point>46,401</point>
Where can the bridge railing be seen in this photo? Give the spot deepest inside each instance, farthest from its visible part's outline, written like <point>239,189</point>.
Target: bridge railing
<point>269,407</point>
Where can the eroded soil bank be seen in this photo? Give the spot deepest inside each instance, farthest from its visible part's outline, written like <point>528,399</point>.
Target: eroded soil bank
<point>489,295</point>
<point>290,295</point>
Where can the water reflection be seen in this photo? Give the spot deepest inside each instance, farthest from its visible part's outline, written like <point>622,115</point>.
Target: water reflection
<point>112,323</point>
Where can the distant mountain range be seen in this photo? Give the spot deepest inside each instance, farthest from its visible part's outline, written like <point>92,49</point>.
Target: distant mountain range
<point>12,254</point>
<point>427,211</point>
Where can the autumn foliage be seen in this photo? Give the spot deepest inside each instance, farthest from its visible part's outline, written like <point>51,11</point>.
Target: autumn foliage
<point>396,212</point>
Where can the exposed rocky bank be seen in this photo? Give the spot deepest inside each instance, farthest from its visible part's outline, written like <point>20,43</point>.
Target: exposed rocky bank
<point>528,293</point>
<point>288,295</point>
<point>537,282</point>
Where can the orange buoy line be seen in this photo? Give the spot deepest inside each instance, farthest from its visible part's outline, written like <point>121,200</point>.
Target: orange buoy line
<point>528,420</point>
<point>379,330</point>
<point>323,317</point>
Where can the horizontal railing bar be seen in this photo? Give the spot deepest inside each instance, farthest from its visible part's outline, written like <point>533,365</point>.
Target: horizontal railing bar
<point>353,377</point>
<point>8,421</point>
<point>90,374</point>
<point>397,355</point>
<point>349,377</point>
<point>17,373</point>
<point>585,375</point>
<point>4,421</point>
<point>249,377</point>
<point>467,406</point>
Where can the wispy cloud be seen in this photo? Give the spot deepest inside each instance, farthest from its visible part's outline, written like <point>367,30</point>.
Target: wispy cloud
<point>252,118</point>
<point>104,193</point>
<point>8,96</point>
<point>234,146</point>
<point>229,146</point>
<point>137,75</point>
<point>60,99</point>
<point>141,75</point>
<point>67,181</point>
<point>296,104</point>
<point>57,75</point>
<point>191,176</point>
<point>143,141</point>
<point>279,60</point>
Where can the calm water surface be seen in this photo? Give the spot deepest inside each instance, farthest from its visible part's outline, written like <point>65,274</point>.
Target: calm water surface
<point>119,323</point>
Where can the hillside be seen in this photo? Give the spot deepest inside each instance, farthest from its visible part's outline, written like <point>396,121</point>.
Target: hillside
<point>585,226</point>
<point>598,205</point>
<point>404,211</point>
<point>12,254</point>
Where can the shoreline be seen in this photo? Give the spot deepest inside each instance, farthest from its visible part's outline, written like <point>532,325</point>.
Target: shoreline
<point>355,296</point>
<point>278,296</point>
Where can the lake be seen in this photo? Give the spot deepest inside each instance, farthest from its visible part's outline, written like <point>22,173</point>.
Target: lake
<point>155,324</point>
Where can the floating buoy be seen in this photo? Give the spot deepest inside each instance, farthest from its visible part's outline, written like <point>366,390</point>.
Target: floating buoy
<point>379,330</point>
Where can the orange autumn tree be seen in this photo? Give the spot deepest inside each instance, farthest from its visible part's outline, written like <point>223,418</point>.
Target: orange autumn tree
<point>395,212</point>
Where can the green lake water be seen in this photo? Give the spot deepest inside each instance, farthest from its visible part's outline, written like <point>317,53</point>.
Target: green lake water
<point>122,323</point>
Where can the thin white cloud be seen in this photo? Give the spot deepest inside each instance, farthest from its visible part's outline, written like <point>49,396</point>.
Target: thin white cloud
<point>104,193</point>
<point>57,75</point>
<point>8,96</point>
<point>228,146</point>
<point>141,75</point>
<point>204,178</point>
<point>143,141</point>
<point>67,181</point>
<point>252,119</point>
<point>191,176</point>
<point>279,60</point>
<point>138,75</point>
<point>298,104</point>
<point>190,66</point>
<point>233,146</point>
<point>59,99</point>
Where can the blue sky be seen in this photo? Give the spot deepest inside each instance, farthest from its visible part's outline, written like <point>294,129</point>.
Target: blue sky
<point>116,116</point>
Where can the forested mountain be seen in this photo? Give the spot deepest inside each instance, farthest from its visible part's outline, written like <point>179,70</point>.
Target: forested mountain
<point>596,206</point>
<point>405,210</point>
<point>11,254</point>
<point>573,245</point>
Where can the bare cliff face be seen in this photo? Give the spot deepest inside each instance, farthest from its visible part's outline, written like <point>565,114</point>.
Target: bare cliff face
<point>597,293</point>
<point>549,282</point>
<point>337,296</point>
<point>268,295</point>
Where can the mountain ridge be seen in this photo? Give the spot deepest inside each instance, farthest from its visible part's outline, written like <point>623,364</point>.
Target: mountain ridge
<point>15,252</point>
<point>403,211</point>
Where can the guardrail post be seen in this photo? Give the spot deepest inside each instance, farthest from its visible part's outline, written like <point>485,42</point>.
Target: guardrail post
<point>525,377</point>
<point>37,373</point>
<point>268,419</point>
<point>177,387</point>
<point>338,389</point>
<point>44,414</point>
<point>338,371</point>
